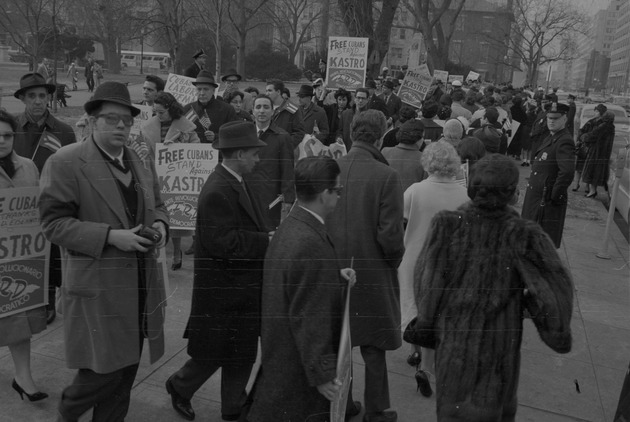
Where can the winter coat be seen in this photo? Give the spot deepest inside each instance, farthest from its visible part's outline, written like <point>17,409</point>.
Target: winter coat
<point>218,111</point>
<point>302,314</point>
<point>546,197</point>
<point>367,231</point>
<point>597,165</point>
<point>231,241</point>
<point>79,203</point>
<point>477,273</point>
<point>312,115</point>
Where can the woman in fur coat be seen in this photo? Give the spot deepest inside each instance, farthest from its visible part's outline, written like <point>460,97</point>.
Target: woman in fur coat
<point>481,267</point>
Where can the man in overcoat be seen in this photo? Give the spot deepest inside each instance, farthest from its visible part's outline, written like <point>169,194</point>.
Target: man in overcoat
<point>367,229</point>
<point>95,198</point>
<point>552,172</point>
<point>286,115</point>
<point>208,113</point>
<point>231,241</point>
<point>273,175</point>
<point>312,114</point>
<point>391,100</point>
<point>39,135</point>
<point>302,305</point>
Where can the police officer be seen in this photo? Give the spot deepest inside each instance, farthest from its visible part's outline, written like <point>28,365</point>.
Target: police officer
<point>552,172</point>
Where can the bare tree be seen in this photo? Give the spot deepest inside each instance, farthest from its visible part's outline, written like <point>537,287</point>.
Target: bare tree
<point>294,22</point>
<point>213,14</point>
<point>28,23</point>
<point>544,31</point>
<point>244,15</point>
<point>359,18</point>
<point>435,20</point>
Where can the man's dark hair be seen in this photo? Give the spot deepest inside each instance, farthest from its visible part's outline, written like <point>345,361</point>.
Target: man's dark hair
<point>313,175</point>
<point>430,109</point>
<point>263,96</point>
<point>286,92</point>
<point>157,81</point>
<point>364,90</point>
<point>368,126</point>
<point>278,85</point>
<point>493,182</point>
<point>407,113</point>
<point>458,95</point>
<point>491,115</point>
<point>251,89</point>
<point>410,132</point>
<point>9,119</point>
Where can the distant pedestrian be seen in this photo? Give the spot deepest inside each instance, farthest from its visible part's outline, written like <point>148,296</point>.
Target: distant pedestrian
<point>89,74</point>
<point>73,74</point>
<point>97,74</point>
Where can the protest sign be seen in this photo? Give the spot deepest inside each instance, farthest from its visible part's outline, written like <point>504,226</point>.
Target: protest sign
<point>182,170</point>
<point>452,78</point>
<point>182,88</point>
<point>344,368</point>
<point>441,75</point>
<point>146,112</point>
<point>472,76</point>
<point>513,129</point>
<point>23,252</point>
<point>347,62</point>
<point>415,86</point>
<point>313,147</point>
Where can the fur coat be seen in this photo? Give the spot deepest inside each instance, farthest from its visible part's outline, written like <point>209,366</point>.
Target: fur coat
<point>477,273</point>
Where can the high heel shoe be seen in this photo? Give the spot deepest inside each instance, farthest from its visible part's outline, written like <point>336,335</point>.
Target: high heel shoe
<point>591,195</point>
<point>577,188</point>
<point>32,397</point>
<point>177,265</point>
<point>414,359</point>
<point>422,379</point>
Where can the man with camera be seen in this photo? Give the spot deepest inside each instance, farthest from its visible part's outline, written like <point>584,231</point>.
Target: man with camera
<point>102,206</point>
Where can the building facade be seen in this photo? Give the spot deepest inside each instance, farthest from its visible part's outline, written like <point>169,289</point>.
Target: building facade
<point>620,54</point>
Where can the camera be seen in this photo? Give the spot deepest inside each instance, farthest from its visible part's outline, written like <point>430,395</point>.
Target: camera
<point>150,233</point>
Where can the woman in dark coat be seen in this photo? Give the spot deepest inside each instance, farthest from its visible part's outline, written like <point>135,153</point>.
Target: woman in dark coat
<point>480,268</point>
<point>599,141</point>
<point>581,148</point>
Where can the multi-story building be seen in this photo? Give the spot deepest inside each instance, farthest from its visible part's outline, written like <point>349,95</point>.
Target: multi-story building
<point>620,54</point>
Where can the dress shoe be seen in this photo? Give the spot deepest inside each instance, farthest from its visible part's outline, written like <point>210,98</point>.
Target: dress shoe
<point>384,416</point>
<point>180,404</point>
<point>422,380</point>
<point>31,397</point>
<point>575,189</point>
<point>353,411</point>
<point>51,314</point>
<point>414,359</point>
<point>177,265</point>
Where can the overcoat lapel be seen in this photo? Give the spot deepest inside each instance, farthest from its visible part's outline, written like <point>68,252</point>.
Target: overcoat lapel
<point>242,196</point>
<point>100,177</point>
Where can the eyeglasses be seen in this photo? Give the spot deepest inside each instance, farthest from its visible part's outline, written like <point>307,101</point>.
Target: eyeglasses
<point>113,119</point>
<point>231,81</point>
<point>7,136</point>
<point>337,189</point>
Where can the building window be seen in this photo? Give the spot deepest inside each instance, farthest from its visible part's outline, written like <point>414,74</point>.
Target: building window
<point>484,52</point>
<point>402,33</point>
<point>397,52</point>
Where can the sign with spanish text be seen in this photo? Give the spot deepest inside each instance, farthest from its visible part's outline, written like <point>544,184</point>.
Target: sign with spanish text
<point>415,86</point>
<point>182,170</point>
<point>452,78</point>
<point>472,76</point>
<point>182,88</point>
<point>347,62</point>
<point>146,112</point>
<point>441,75</point>
<point>24,252</point>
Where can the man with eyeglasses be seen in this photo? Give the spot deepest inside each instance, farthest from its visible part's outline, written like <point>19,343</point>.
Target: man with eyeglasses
<point>361,97</point>
<point>39,135</point>
<point>102,206</point>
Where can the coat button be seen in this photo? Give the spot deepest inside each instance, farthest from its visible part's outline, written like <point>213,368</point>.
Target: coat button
<point>535,173</point>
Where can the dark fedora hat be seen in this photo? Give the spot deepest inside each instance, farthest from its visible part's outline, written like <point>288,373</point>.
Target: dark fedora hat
<point>231,72</point>
<point>388,84</point>
<point>238,135</point>
<point>205,77</point>
<point>199,53</point>
<point>306,91</point>
<point>111,92</point>
<point>33,80</point>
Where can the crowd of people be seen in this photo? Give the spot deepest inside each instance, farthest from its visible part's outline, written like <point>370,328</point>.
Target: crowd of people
<point>416,223</point>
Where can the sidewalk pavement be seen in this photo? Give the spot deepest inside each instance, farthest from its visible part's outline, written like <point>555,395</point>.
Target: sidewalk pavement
<point>583,385</point>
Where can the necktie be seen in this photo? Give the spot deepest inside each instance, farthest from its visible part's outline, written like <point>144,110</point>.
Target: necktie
<point>119,165</point>
<point>260,134</point>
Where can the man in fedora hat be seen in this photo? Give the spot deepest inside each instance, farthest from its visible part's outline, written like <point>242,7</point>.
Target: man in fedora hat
<point>199,64</point>
<point>232,239</point>
<point>231,80</point>
<point>391,100</point>
<point>208,113</point>
<point>39,135</point>
<point>313,116</point>
<point>552,172</point>
<point>102,206</point>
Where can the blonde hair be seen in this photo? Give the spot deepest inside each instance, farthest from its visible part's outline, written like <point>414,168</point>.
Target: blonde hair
<point>440,159</point>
